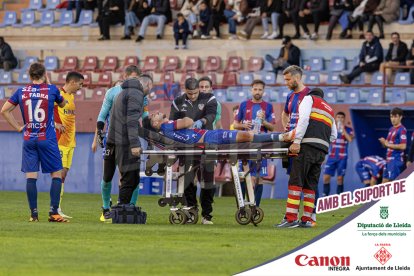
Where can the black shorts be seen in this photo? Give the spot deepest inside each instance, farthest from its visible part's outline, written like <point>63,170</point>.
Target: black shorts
<point>122,157</point>
<point>306,167</point>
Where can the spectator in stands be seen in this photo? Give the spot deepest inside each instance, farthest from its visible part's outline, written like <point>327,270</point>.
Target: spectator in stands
<point>7,59</point>
<point>190,10</point>
<point>110,12</point>
<point>181,30</point>
<point>396,55</point>
<point>363,10</point>
<point>410,61</point>
<point>370,58</point>
<point>204,19</point>
<point>289,55</point>
<point>254,18</point>
<point>78,5</point>
<point>290,11</point>
<point>232,18</point>
<point>134,15</point>
<point>387,11</point>
<point>272,9</point>
<point>160,14</point>
<point>341,9</point>
<point>216,16</point>
<point>316,9</point>
<point>405,5</point>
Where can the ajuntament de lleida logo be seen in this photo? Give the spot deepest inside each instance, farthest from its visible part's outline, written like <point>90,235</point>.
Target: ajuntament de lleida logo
<point>384,212</point>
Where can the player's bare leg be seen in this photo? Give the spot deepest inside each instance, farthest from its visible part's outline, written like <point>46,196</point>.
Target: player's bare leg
<point>64,174</point>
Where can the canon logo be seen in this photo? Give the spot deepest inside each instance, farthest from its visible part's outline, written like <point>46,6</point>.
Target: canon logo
<point>304,260</point>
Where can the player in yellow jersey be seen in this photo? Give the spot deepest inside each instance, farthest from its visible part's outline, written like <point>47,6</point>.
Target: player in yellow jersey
<point>65,125</point>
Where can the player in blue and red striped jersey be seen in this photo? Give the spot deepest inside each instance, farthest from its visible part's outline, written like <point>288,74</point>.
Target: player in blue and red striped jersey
<point>338,156</point>
<point>396,143</point>
<point>370,169</point>
<point>40,147</point>
<point>249,111</point>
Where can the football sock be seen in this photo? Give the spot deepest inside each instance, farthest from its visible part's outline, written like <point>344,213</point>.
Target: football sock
<point>106,188</point>
<point>326,189</point>
<point>266,137</point>
<point>340,189</point>
<point>134,196</point>
<point>55,189</point>
<point>31,191</point>
<point>293,202</point>
<point>308,204</point>
<point>258,191</point>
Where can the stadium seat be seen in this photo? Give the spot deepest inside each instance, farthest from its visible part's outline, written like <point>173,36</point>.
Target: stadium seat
<point>402,78</point>
<point>186,76</point>
<point>269,78</point>
<point>213,64</point>
<point>167,77</point>
<point>410,18</point>
<point>171,63</point>
<point>337,64</point>
<point>255,64</point>
<point>234,64</point>
<point>87,79</point>
<point>61,79</point>
<point>98,94</point>
<point>246,78</point>
<point>66,19</point>
<point>5,77</point>
<point>2,93</point>
<point>150,64</point>
<point>192,64</point>
<point>9,19</point>
<point>333,78</point>
<point>377,78</point>
<point>409,94</point>
<point>27,62</point>
<point>312,78</point>
<point>23,77</point>
<point>80,94</point>
<point>213,77</point>
<point>229,79</point>
<point>282,94</point>
<point>375,96</point>
<point>316,64</point>
<point>331,95</point>
<point>238,94</point>
<point>271,94</point>
<point>398,96</point>
<point>69,64</point>
<point>110,64</point>
<point>352,96</point>
<point>27,18</point>
<point>221,95</point>
<point>47,18</point>
<point>34,5</point>
<point>128,60</point>
<point>51,4</point>
<point>51,63</point>
<point>90,63</point>
<point>85,18</point>
<point>104,79</point>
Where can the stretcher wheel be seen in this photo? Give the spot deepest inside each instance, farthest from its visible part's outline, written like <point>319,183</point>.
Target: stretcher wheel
<point>178,218</point>
<point>161,202</point>
<point>243,216</point>
<point>161,171</point>
<point>257,215</point>
<point>148,172</point>
<point>193,216</point>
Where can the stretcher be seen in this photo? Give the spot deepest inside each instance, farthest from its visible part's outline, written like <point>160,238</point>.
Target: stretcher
<point>166,152</point>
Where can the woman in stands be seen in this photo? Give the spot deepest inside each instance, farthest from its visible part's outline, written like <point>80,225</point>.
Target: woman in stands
<point>387,11</point>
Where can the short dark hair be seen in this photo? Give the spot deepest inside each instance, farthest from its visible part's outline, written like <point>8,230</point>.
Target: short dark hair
<point>76,76</point>
<point>132,69</point>
<point>235,107</point>
<point>1,40</point>
<point>371,32</point>
<point>205,78</point>
<point>397,111</point>
<point>37,71</point>
<point>180,15</point>
<point>395,33</point>
<point>258,82</point>
<point>340,113</point>
<point>293,70</point>
<point>191,84</point>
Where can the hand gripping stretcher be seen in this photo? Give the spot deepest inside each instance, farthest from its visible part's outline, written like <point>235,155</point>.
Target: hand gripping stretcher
<point>166,152</point>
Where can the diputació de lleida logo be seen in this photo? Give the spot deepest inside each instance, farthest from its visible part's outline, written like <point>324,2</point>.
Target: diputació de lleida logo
<point>384,212</point>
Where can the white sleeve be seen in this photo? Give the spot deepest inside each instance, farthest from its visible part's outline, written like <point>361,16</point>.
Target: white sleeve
<point>334,132</point>
<point>305,109</point>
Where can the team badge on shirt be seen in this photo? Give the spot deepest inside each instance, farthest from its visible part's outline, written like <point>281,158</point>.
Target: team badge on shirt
<point>200,106</point>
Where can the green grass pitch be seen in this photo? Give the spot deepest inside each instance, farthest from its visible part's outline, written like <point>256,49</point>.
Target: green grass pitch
<point>85,246</point>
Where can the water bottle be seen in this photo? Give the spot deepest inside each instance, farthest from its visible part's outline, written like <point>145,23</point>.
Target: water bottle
<point>339,126</point>
<point>257,123</point>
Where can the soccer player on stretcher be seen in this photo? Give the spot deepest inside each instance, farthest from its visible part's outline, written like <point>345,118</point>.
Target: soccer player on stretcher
<point>185,131</point>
